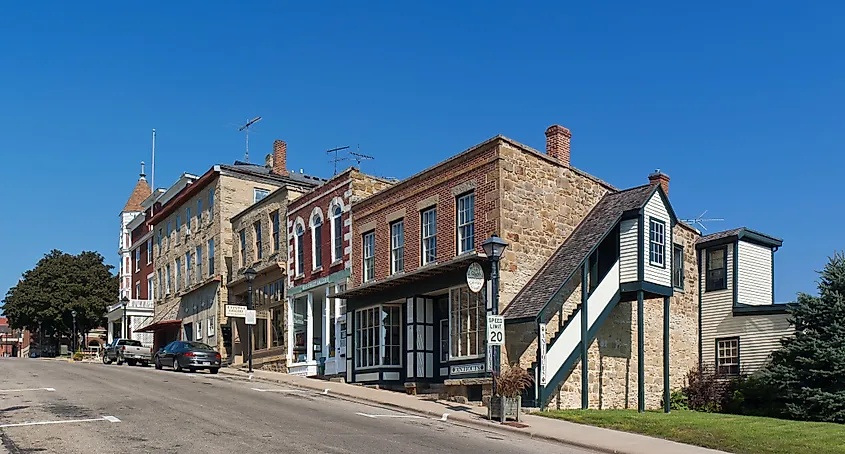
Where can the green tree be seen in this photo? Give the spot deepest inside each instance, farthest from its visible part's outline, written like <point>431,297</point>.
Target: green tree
<point>808,372</point>
<point>59,284</point>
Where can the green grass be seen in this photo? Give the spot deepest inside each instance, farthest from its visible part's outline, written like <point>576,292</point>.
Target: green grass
<point>732,433</point>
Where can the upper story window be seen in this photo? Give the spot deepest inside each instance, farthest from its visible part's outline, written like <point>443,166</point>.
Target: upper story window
<point>717,266</point>
<point>158,239</point>
<point>466,223</point>
<point>167,272</point>
<point>337,233</point>
<point>178,226</point>
<point>150,253</point>
<point>276,220</point>
<point>199,263</point>
<point>169,230</point>
<point>199,213</point>
<point>259,194</point>
<point>178,274</point>
<point>727,356</point>
<point>299,244</point>
<point>469,322</point>
<point>429,236</point>
<point>188,218</point>
<point>160,285</point>
<point>259,249</point>
<point>137,259</point>
<point>657,242</point>
<point>317,241</point>
<point>211,257</point>
<point>397,247</point>
<point>369,265</point>
<point>242,236</point>
<point>188,269</point>
<point>678,266</point>
<point>211,205</point>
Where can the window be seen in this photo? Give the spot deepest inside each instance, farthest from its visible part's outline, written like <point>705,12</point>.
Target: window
<point>169,230</point>
<point>678,266</point>
<point>259,247</point>
<point>211,205</point>
<point>178,274</point>
<point>317,241</point>
<point>444,340</point>
<point>168,279</point>
<point>137,260</point>
<point>369,256</point>
<point>149,251</point>
<point>189,277</point>
<point>397,247</point>
<point>137,290</point>
<point>466,223</point>
<point>657,243</point>
<point>150,287</point>
<point>178,227</point>
<point>300,250</point>
<point>199,329</point>
<point>210,323</point>
<point>727,356</point>
<point>468,322</point>
<point>242,236</point>
<point>199,263</point>
<point>210,257</point>
<point>716,269</point>
<point>199,213</point>
<point>378,337</point>
<point>429,236</point>
<point>276,226</point>
<point>159,241</point>
<point>337,234</point>
<point>160,285</point>
<point>259,194</point>
<point>188,218</point>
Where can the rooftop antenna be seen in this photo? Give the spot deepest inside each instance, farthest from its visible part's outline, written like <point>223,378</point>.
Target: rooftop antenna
<point>246,128</point>
<point>336,158</point>
<point>358,157</point>
<point>700,220</point>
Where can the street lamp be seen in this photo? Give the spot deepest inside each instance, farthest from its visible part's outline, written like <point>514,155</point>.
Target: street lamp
<point>250,274</point>
<point>124,331</point>
<point>73,341</point>
<point>494,247</point>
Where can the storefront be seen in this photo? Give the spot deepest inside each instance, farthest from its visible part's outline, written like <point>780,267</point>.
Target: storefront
<point>317,327</point>
<point>268,331</point>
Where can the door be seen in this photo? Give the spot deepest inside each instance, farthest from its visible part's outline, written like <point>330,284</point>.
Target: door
<point>444,347</point>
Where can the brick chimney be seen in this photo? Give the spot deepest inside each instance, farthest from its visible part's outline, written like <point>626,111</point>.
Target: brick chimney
<point>557,143</point>
<point>280,157</point>
<point>660,178</point>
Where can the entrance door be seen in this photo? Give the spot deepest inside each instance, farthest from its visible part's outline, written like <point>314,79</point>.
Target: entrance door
<point>444,347</point>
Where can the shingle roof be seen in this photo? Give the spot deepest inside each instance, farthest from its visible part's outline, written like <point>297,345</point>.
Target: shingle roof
<point>742,232</point>
<point>569,256</point>
<point>719,235</point>
<point>139,194</point>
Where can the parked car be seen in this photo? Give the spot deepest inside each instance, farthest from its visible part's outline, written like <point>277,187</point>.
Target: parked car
<point>188,356</point>
<point>129,351</point>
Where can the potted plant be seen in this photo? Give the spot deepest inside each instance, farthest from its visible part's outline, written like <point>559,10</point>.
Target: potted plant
<point>506,402</point>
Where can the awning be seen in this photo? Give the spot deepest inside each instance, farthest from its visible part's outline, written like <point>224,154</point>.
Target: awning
<point>159,326</point>
<point>420,274</point>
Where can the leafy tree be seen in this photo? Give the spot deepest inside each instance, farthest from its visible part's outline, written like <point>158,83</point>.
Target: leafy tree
<point>59,284</point>
<point>808,372</point>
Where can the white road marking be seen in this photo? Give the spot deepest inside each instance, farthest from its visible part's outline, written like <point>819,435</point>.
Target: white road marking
<point>67,421</point>
<point>390,416</point>
<point>326,391</point>
<point>26,389</point>
<point>445,415</point>
<point>262,390</point>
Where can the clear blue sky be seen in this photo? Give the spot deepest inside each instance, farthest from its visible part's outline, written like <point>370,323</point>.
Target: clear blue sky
<point>741,103</point>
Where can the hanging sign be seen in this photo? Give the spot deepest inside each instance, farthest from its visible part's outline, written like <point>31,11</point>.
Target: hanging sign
<point>475,277</point>
<point>542,341</point>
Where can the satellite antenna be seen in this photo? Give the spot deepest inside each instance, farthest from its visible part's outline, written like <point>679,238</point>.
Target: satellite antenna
<point>336,158</point>
<point>700,220</point>
<point>246,128</point>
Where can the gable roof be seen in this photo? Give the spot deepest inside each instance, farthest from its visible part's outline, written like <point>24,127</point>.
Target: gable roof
<point>742,233</point>
<point>139,194</point>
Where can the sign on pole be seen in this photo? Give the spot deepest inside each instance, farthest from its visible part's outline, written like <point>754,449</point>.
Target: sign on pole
<point>495,330</point>
<point>233,310</point>
<point>542,341</point>
<point>250,317</point>
<point>475,277</point>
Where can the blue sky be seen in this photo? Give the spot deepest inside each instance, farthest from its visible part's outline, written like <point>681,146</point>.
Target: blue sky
<point>741,103</point>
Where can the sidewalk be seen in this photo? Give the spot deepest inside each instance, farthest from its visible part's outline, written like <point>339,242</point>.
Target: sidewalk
<point>554,430</point>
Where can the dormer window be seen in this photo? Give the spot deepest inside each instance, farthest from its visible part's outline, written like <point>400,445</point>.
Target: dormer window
<point>657,243</point>
<point>717,265</point>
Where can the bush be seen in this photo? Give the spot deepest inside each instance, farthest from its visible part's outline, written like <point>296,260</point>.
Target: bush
<point>754,396</point>
<point>706,390</point>
<point>677,400</point>
<point>513,381</point>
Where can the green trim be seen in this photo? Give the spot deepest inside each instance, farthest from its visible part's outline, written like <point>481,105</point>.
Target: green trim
<point>585,376</point>
<point>640,248</point>
<point>743,234</point>
<point>735,281</point>
<point>773,275</point>
<point>700,287</point>
<point>681,248</point>
<point>640,353</point>
<point>650,246</point>
<point>330,279</point>
<point>738,353</point>
<point>666,391</point>
<point>647,287</point>
<point>707,269</point>
<point>766,309</point>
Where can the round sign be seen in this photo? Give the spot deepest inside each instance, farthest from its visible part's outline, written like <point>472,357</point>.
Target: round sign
<point>475,277</point>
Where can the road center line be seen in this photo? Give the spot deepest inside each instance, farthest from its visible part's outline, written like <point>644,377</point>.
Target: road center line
<point>389,416</point>
<point>111,419</point>
<point>3,391</point>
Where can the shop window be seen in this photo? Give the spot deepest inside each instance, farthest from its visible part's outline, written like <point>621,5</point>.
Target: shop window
<point>278,324</point>
<point>260,334</point>
<point>378,337</point>
<point>468,323</point>
<point>444,340</point>
<point>300,329</point>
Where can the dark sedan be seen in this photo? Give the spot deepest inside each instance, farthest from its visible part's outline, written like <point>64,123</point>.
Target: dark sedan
<point>188,356</point>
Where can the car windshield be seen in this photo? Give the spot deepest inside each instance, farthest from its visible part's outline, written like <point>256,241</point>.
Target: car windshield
<point>130,342</point>
<point>198,346</point>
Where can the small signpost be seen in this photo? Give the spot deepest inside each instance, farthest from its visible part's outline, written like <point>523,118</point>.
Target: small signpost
<point>495,330</point>
<point>475,277</point>
<point>234,310</point>
<point>249,315</point>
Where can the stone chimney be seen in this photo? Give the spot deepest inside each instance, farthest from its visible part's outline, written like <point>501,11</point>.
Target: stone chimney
<point>280,155</point>
<point>557,143</point>
<point>660,178</point>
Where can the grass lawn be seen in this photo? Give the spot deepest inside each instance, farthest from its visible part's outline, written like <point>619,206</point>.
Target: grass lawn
<point>731,433</point>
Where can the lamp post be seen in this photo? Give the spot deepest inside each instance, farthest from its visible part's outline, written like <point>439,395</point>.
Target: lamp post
<point>124,329</point>
<point>73,340</point>
<point>250,274</point>
<point>40,341</point>
<point>494,247</point>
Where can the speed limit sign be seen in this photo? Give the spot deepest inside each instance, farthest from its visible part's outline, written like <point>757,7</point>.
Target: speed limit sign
<point>495,330</point>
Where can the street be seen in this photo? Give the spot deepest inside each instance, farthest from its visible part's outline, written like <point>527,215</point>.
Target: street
<point>56,406</point>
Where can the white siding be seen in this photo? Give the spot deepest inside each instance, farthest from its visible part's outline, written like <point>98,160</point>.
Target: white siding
<point>759,335</point>
<point>655,208</point>
<point>628,251</point>
<point>755,274</point>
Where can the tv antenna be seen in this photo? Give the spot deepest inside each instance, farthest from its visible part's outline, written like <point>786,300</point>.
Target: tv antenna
<point>700,220</point>
<point>246,128</point>
<point>336,158</point>
<point>358,157</point>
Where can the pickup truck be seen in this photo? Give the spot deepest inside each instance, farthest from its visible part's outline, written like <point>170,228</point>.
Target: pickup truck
<point>129,351</point>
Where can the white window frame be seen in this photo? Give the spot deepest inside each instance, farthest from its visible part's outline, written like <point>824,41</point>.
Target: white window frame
<point>368,242</point>
<point>465,222</point>
<point>150,286</point>
<point>259,191</point>
<point>657,242</point>
<point>378,333</point>
<point>428,235</point>
<point>480,332</point>
<point>397,246</point>
<point>210,323</point>
<point>336,213</point>
<point>169,282</point>
<point>137,259</point>
<point>199,329</point>
<point>298,245</point>
<point>728,346</point>
<point>316,246</point>
<point>137,290</point>
<point>149,251</point>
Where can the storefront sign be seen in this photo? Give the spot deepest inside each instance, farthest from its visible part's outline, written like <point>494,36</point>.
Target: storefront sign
<point>542,341</point>
<point>475,277</point>
<point>462,369</point>
<point>332,278</point>
<point>495,330</point>
<point>233,310</point>
<point>249,315</point>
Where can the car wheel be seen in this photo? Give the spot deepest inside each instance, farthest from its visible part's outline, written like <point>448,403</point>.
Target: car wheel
<point>131,362</point>
<point>144,364</point>
<point>106,360</point>
<point>176,366</point>
<point>191,370</point>
<point>214,370</point>
<point>158,364</point>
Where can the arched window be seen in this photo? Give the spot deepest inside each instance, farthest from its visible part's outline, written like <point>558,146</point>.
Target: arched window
<point>300,249</point>
<point>317,240</point>
<point>337,234</point>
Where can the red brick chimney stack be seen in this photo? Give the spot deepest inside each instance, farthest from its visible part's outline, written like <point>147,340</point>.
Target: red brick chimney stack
<point>557,143</point>
<point>660,178</point>
<point>280,157</point>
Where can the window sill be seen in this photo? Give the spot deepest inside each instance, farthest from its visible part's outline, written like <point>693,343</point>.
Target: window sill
<point>657,265</point>
<point>318,269</point>
<point>299,276</point>
<point>337,262</point>
<point>715,290</point>
<point>465,358</point>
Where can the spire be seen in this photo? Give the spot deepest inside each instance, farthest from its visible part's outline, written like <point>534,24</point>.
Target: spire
<point>139,194</point>
<point>143,174</point>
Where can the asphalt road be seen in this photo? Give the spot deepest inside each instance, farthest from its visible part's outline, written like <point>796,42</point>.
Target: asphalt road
<point>95,408</point>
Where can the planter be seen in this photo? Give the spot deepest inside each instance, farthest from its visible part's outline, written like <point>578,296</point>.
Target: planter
<point>502,408</point>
